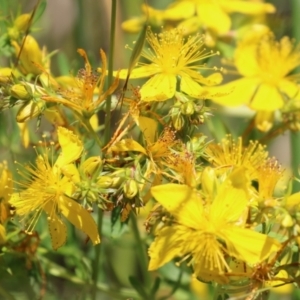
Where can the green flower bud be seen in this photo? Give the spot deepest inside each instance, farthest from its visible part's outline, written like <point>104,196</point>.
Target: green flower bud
<point>104,182</point>
<point>130,188</point>
<point>29,110</point>
<point>19,91</point>
<point>187,108</point>
<point>178,122</point>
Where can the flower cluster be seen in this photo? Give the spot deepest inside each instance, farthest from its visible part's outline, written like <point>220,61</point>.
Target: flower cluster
<point>212,198</point>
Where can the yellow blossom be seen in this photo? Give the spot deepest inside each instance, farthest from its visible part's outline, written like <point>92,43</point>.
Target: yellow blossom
<point>6,188</point>
<point>153,17</point>
<point>214,14</point>
<point>229,153</point>
<point>46,189</point>
<point>265,65</point>
<point>207,232</point>
<point>172,58</point>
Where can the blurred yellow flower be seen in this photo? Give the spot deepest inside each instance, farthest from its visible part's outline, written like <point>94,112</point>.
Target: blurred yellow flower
<point>265,65</point>
<point>215,14</point>
<point>47,189</point>
<point>172,59</point>
<point>230,154</point>
<point>152,16</point>
<point>6,189</point>
<point>207,231</point>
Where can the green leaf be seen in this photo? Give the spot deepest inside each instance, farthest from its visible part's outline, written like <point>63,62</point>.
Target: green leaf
<point>138,287</point>
<point>155,287</point>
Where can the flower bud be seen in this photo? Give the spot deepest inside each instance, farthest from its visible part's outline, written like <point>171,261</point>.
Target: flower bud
<point>104,182</point>
<point>19,91</point>
<point>6,74</point>
<point>91,166</point>
<point>29,110</point>
<point>31,55</point>
<point>287,221</point>
<point>21,22</point>
<point>178,122</point>
<point>130,188</point>
<point>187,108</point>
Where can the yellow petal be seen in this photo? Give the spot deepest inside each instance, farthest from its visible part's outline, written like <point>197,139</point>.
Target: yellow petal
<point>24,132</point>
<point>171,195</point>
<point>245,58</point>
<point>225,209</point>
<point>291,89</point>
<point>180,10</point>
<point>94,122</point>
<point>2,234</point>
<point>250,7</point>
<point>133,25</point>
<point>141,72</point>
<point>191,87</point>
<point>58,231</point>
<point>237,92</point>
<point>159,88</point>
<point>212,79</point>
<point>267,98</point>
<point>213,17</point>
<point>127,145</point>
<point>71,147</point>
<point>71,174</point>
<point>292,201</point>
<point>264,120</point>
<point>148,127</point>
<point>190,25</point>
<point>248,245</point>
<point>80,218</point>
<point>181,201</point>
<point>168,244</point>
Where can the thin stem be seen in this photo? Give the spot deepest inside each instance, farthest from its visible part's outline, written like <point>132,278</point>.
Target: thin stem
<point>107,132</point>
<point>295,136</point>
<point>141,251</point>
<point>96,262</point>
<point>107,135</point>
<point>175,287</point>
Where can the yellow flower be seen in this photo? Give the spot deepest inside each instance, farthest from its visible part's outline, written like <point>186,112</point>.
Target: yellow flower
<point>208,231</point>
<point>265,65</point>
<point>152,16</point>
<point>214,14</point>
<point>81,91</point>
<point>230,153</point>
<point>47,189</point>
<point>6,189</point>
<point>172,58</point>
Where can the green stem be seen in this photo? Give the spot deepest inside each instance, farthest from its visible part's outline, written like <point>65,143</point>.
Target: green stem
<point>141,251</point>
<point>175,287</point>
<point>90,129</point>
<point>107,135</point>
<point>107,132</point>
<point>96,262</point>
<point>295,136</point>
